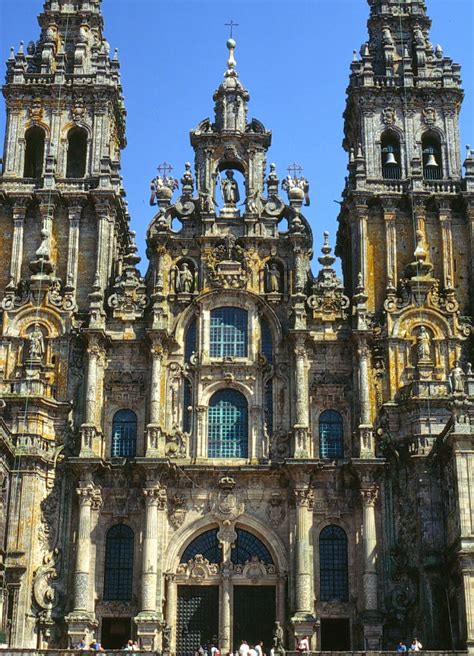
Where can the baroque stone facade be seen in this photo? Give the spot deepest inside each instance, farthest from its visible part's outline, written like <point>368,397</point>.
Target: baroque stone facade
<point>233,419</point>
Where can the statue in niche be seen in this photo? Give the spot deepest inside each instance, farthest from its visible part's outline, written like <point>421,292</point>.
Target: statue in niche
<point>273,278</point>
<point>230,189</point>
<point>423,346</point>
<point>184,280</point>
<point>35,346</point>
<point>456,379</point>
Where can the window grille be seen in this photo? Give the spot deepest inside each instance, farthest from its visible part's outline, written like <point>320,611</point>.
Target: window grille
<point>331,435</point>
<point>333,578</point>
<point>228,336</point>
<point>228,425</point>
<point>124,434</point>
<point>248,545</point>
<point>118,578</point>
<point>206,545</point>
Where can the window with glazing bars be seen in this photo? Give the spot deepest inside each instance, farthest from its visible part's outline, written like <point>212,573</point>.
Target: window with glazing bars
<point>331,435</point>
<point>206,545</point>
<point>228,336</point>
<point>266,341</point>
<point>333,580</point>
<point>118,577</point>
<point>228,425</point>
<point>248,545</point>
<point>124,434</point>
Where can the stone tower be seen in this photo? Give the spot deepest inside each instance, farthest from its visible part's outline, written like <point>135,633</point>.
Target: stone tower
<point>406,243</point>
<point>233,446</point>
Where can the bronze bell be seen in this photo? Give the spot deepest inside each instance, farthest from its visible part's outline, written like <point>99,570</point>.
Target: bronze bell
<point>431,161</point>
<point>391,161</point>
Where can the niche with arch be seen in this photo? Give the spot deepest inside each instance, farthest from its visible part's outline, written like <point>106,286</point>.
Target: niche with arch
<point>391,156</point>
<point>76,153</point>
<point>34,152</point>
<point>432,159</point>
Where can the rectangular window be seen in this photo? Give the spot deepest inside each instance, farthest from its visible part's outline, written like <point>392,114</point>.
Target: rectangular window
<point>228,336</point>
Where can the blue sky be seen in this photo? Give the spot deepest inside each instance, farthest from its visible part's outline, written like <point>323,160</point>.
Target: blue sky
<point>293,56</point>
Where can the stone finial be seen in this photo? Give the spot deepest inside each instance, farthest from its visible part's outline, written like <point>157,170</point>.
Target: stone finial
<point>231,62</point>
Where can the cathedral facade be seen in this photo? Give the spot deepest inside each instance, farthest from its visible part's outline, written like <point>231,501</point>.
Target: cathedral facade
<point>234,446</point>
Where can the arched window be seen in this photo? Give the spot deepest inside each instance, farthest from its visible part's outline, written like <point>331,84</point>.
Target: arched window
<point>266,343</point>
<point>391,162</point>
<point>333,564</point>
<point>187,405</point>
<point>190,342</point>
<point>227,425</point>
<point>76,153</point>
<point>228,337</point>
<point>118,564</point>
<point>206,545</point>
<point>246,546</point>
<point>432,163</point>
<point>331,435</point>
<point>124,434</point>
<point>34,152</point>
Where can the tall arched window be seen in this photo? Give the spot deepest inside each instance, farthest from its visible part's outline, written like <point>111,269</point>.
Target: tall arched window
<point>124,434</point>
<point>228,337</point>
<point>391,162</point>
<point>333,579</point>
<point>118,577</point>
<point>331,435</point>
<point>432,162</point>
<point>34,152</point>
<point>206,545</point>
<point>228,425</point>
<point>76,153</point>
<point>266,341</point>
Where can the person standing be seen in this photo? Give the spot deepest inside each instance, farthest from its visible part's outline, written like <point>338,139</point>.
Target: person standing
<point>303,645</point>
<point>244,648</point>
<point>259,648</point>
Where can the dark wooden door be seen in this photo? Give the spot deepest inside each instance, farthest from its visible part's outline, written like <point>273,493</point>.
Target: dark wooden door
<point>254,615</point>
<point>198,617</point>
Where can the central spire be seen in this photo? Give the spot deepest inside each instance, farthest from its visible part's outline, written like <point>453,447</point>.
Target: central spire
<point>231,98</point>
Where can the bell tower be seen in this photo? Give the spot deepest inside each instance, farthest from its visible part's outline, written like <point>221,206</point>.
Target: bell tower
<point>406,243</point>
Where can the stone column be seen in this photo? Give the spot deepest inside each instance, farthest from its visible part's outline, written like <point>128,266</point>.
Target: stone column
<point>149,618</point>
<point>90,432</point>
<point>302,446</point>
<point>154,438</point>
<point>360,260</point>
<point>103,210</point>
<point>390,215</point>
<point>19,211</point>
<point>371,618</point>
<point>467,572</point>
<point>81,621</point>
<point>225,615</point>
<point>171,610</point>
<point>74,211</point>
<point>365,427</point>
<point>303,620</point>
<point>444,208</point>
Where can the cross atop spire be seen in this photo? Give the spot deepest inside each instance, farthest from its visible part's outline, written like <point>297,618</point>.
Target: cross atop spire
<point>231,25</point>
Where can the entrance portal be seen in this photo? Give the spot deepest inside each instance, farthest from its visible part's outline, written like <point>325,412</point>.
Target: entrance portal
<point>335,634</point>
<point>115,632</point>
<point>198,617</point>
<point>254,614</point>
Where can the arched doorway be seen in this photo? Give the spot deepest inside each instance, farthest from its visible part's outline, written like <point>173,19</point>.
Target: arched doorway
<point>226,588</point>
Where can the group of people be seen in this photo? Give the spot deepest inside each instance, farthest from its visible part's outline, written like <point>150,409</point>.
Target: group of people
<point>132,645</point>
<point>415,645</point>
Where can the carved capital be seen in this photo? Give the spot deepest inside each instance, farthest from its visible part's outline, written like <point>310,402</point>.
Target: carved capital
<point>369,495</point>
<point>89,495</point>
<point>155,496</point>
<point>304,497</point>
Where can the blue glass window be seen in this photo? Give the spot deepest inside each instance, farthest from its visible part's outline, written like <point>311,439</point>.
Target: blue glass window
<point>190,342</point>
<point>227,425</point>
<point>228,336</point>
<point>206,545</point>
<point>268,406</point>
<point>266,341</point>
<point>331,435</point>
<point>246,546</point>
<point>124,434</point>
<point>333,579</point>
<point>118,564</point>
<point>187,404</point>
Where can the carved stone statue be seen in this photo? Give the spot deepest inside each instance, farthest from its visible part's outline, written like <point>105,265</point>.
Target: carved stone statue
<point>456,379</point>
<point>423,345</point>
<point>278,639</point>
<point>230,189</point>
<point>184,279</point>
<point>35,346</point>
<point>273,278</point>
<point>166,633</point>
